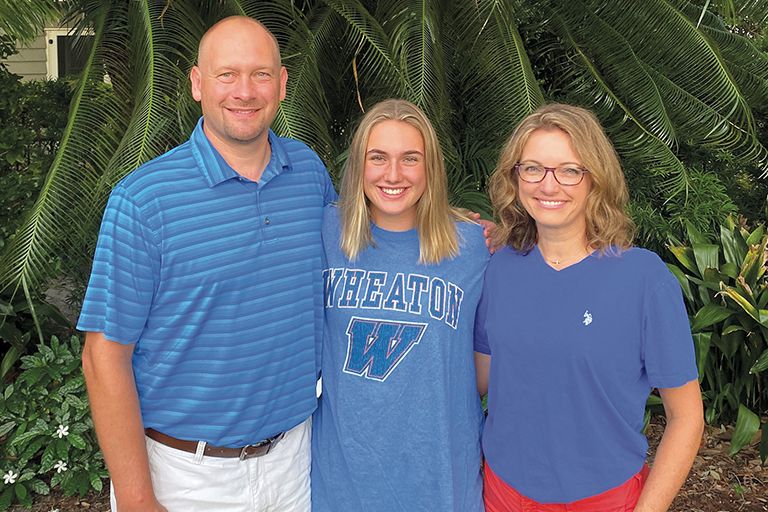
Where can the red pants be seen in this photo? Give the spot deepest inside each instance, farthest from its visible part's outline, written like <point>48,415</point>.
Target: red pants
<point>500,497</point>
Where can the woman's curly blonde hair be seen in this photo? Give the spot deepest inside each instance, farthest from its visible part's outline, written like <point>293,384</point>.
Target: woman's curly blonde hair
<point>609,228</point>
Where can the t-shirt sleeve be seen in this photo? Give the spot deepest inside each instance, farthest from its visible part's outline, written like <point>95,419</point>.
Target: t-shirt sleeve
<point>124,274</point>
<point>481,336</point>
<point>668,350</point>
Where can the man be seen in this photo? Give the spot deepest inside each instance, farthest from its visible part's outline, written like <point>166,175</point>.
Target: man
<point>204,306</point>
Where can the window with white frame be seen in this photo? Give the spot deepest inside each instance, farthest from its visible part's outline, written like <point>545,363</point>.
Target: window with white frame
<point>66,53</point>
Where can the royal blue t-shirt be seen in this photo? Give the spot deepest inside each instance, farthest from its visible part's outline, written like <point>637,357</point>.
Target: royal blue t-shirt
<point>398,425</point>
<point>574,355</point>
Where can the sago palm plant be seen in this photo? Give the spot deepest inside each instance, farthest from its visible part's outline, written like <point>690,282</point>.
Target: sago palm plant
<point>658,73</point>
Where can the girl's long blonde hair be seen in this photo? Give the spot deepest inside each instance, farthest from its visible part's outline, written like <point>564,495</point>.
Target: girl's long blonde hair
<point>434,216</point>
<point>609,227</point>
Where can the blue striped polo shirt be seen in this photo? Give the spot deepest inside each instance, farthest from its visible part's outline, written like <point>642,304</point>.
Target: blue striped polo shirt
<point>217,280</point>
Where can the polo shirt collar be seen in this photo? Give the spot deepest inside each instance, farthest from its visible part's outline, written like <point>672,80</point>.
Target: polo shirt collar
<point>216,170</point>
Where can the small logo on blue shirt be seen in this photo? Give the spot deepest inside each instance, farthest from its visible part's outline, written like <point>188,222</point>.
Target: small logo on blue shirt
<point>587,317</point>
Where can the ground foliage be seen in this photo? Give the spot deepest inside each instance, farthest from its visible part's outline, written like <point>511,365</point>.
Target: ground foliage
<point>46,433</point>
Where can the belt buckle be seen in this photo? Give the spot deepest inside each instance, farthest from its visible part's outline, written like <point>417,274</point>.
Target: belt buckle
<point>266,443</point>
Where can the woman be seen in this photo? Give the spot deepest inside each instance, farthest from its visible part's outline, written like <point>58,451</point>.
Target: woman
<point>398,425</point>
<point>576,327</point>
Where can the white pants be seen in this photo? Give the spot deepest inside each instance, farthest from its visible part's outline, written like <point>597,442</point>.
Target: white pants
<point>276,482</point>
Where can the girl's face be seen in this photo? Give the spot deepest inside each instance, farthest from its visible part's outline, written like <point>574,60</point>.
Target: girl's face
<point>395,174</point>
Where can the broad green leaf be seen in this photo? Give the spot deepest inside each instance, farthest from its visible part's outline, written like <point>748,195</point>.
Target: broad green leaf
<point>702,341</point>
<point>23,438</point>
<point>761,364</point>
<point>695,237</point>
<point>708,316</point>
<point>732,250</point>
<point>39,487</point>
<point>706,256</point>
<point>685,256</point>
<point>21,491</point>
<point>9,360</point>
<point>96,482</point>
<point>6,309</point>
<point>683,280</point>
<point>728,344</point>
<point>739,299</point>
<point>712,279</point>
<point>6,498</point>
<point>733,328</point>
<point>653,400</point>
<point>77,441</point>
<point>753,267</point>
<point>72,385</point>
<point>62,448</point>
<point>756,235</point>
<point>747,424</point>
<point>6,427</point>
<point>730,269</point>
<point>48,458</point>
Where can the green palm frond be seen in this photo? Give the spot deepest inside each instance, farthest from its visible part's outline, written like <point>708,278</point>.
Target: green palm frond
<point>24,20</point>
<point>656,77</point>
<point>304,114</point>
<point>736,12</point>
<point>664,38</point>
<point>607,77</point>
<point>88,143</point>
<point>414,29</point>
<point>707,127</point>
<point>495,88</point>
<point>373,58</point>
<point>747,64</point>
<point>614,64</point>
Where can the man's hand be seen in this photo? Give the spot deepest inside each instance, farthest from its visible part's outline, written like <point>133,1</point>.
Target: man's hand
<point>142,506</point>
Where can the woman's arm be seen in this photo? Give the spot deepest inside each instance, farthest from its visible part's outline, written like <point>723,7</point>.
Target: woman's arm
<point>483,367</point>
<point>678,447</point>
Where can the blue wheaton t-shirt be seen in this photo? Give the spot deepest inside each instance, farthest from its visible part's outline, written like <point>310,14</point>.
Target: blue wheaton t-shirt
<point>218,281</point>
<point>398,425</point>
<point>574,355</point>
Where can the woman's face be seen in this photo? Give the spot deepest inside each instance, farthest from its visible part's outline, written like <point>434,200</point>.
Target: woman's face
<point>555,207</point>
<point>395,174</point>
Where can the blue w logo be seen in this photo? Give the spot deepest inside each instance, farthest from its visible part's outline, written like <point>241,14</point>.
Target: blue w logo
<point>376,347</point>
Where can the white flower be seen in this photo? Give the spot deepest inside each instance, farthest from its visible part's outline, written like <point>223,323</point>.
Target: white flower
<point>62,431</point>
<point>10,477</point>
<point>60,466</point>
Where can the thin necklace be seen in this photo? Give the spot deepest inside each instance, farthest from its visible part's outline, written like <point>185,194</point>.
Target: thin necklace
<point>559,261</point>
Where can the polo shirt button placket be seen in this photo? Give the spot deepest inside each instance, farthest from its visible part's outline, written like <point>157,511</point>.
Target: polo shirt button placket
<point>266,221</point>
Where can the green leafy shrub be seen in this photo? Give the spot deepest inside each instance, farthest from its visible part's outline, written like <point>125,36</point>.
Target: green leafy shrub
<point>46,434</point>
<point>726,290</point>
<point>23,320</point>
<point>705,205</point>
<point>34,115</point>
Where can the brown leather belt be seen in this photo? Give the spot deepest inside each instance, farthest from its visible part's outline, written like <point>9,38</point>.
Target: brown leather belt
<point>245,452</point>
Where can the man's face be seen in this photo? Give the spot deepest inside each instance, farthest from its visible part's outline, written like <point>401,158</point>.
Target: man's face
<point>239,83</point>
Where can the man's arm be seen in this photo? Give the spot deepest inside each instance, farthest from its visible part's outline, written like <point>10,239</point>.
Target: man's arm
<point>117,419</point>
<point>678,447</point>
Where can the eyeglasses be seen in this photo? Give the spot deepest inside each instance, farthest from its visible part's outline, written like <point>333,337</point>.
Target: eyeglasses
<point>531,172</point>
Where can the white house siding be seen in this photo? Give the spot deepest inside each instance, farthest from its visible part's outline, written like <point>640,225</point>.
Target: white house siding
<point>30,62</point>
